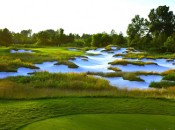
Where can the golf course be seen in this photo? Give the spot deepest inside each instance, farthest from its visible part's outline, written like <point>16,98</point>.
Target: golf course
<point>88,76</point>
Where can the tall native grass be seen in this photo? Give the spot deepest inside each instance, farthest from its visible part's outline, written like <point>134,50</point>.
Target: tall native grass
<point>11,65</point>
<point>70,81</point>
<point>47,85</point>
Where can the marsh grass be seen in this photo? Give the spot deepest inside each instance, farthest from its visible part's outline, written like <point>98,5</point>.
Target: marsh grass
<point>149,55</point>
<point>126,62</point>
<point>114,69</point>
<point>70,81</point>
<point>11,62</point>
<point>168,72</point>
<point>162,84</point>
<point>92,54</point>
<point>119,54</point>
<point>108,48</point>
<point>120,73</point>
<point>68,63</point>
<point>11,65</point>
<point>132,77</point>
<point>14,90</point>
<point>170,77</point>
<point>110,74</point>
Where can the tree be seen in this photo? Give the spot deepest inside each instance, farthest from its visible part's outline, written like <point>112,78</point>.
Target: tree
<point>96,40</point>
<point>137,29</point>
<point>101,40</point>
<point>121,39</point>
<point>170,44</point>
<point>26,36</point>
<point>105,40</point>
<point>27,33</point>
<point>5,37</point>
<point>161,20</point>
<point>87,38</point>
<point>43,38</point>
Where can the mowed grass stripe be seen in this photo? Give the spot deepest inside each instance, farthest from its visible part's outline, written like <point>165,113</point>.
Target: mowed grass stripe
<point>15,114</point>
<point>106,122</point>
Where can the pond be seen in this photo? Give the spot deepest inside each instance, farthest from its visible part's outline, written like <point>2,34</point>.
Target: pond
<point>21,51</point>
<point>97,61</point>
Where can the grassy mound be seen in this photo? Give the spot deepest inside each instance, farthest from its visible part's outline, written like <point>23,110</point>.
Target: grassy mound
<point>18,113</point>
<point>126,62</point>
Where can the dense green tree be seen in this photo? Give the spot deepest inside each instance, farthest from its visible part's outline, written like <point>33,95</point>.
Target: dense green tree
<point>137,29</point>
<point>5,37</point>
<point>96,39</point>
<point>101,40</point>
<point>87,39</point>
<point>43,38</point>
<point>170,44</point>
<point>26,36</point>
<point>121,40</point>
<point>153,34</point>
<point>27,33</point>
<point>161,20</point>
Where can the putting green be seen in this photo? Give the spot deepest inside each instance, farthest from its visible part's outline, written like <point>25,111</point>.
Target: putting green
<point>106,122</point>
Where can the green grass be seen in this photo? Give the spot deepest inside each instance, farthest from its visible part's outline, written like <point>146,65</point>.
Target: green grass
<point>126,62</point>
<point>18,113</point>
<point>105,122</point>
<point>25,100</point>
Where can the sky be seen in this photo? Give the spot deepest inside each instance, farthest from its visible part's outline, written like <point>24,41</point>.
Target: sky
<point>75,16</point>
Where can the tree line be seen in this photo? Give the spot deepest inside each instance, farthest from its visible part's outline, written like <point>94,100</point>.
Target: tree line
<point>59,38</point>
<point>157,33</point>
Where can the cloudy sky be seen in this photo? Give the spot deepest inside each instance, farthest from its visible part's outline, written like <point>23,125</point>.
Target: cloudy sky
<point>76,16</point>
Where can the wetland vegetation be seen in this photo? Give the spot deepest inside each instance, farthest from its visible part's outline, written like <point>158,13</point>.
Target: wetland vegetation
<point>109,78</point>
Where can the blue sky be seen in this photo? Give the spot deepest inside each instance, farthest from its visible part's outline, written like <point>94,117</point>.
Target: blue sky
<point>76,16</point>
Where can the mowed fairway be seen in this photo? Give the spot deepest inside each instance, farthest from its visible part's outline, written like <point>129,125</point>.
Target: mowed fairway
<point>106,122</point>
<point>19,114</point>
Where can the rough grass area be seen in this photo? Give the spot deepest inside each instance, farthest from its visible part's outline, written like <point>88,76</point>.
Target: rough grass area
<point>9,65</point>
<point>72,81</point>
<point>114,69</point>
<point>149,55</point>
<point>10,62</point>
<point>170,77</point>
<point>126,62</point>
<point>105,122</point>
<point>54,85</point>
<point>18,113</point>
<point>68,63</point>
<point>168,72</point>
<point>132,77</point>
<point>162,84</point>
